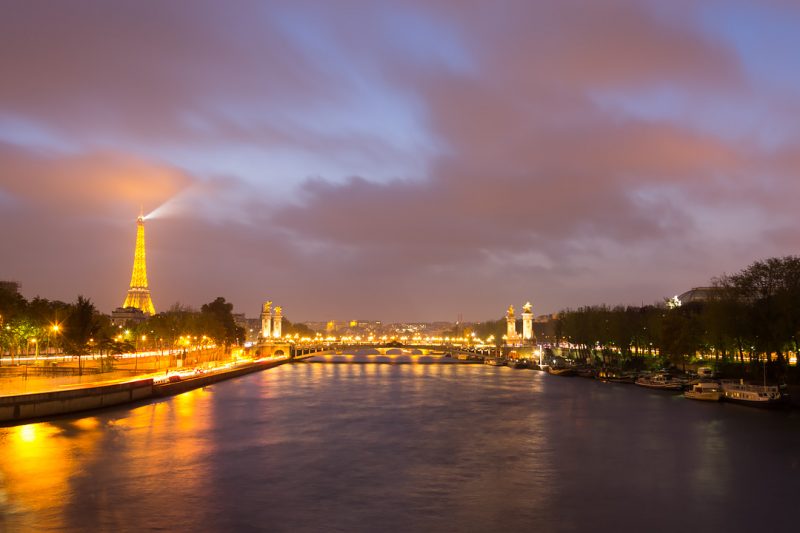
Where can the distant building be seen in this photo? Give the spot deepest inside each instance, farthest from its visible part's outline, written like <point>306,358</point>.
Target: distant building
<point>251,326</point>
<point>319,327</point>
<point>362,327</point>
<point>543,319</point>
<point>124,316</point>
<point>438,328</point>
<point>698,294</point>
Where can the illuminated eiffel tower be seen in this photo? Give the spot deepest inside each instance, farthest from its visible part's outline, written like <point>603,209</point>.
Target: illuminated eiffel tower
<point>139,294</point>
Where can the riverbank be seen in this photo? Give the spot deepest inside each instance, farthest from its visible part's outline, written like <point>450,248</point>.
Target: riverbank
<point>49,375</point>
<point>20,408</point>
<point>792,391</point>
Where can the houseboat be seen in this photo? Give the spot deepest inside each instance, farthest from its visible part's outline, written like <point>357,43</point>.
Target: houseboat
<point>705,390</point>
<point>755,395</point>
<point>661,381</point>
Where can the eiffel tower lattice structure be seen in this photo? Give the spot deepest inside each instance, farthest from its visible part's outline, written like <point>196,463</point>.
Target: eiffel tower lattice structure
<point>139,293</point>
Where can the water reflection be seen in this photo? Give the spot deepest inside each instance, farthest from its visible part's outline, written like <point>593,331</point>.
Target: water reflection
<point>414,447</point>
<point>37,466</point>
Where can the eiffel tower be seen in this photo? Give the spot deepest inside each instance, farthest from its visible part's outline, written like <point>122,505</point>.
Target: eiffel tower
<point>139,294</point>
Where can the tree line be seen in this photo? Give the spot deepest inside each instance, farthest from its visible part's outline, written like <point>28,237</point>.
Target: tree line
<point>746,317</point>
<point>78,328</point>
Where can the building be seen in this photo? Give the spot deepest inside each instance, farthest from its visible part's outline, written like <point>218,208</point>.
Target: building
<point>126,316</point>
<point>698,294</point>
<point>251,326</point>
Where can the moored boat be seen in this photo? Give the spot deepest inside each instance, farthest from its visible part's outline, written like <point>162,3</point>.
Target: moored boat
<point>612,376</point>
<point>494,361</point>
<point>705,390</point>
<point>562,371</point>
<point>661,381</point>
<point>755,395</point>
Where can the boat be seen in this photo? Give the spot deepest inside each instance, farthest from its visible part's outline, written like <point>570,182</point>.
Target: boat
<point>521,363</point>
<point>494,361</point>
<point>661,381</point>
<point>706,372</point>
<point>755,395</point>
<point>710,391</point>
<point>562,371</point>
<point>613,376</point>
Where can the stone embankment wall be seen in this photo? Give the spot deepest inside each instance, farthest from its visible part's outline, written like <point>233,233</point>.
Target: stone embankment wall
<point>21,407</point>
<point>187,384</point>
<point>44,404</point>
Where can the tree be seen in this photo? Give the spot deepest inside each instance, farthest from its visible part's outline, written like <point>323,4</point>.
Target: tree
<point>289,328</point>
<point>80,327</point>
<point>768,292</point>
<point>682,333</point>
<point>217,316</point>
<point>168,327</point>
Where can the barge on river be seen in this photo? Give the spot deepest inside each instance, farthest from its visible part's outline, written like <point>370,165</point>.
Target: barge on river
<point>661,381</point>
<point>710,391</point>
<point>754,395</point>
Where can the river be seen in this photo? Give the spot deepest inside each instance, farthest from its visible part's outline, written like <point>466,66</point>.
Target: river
<point>416,447</point>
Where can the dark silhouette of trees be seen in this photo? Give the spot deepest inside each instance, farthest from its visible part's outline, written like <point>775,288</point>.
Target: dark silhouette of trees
<point>80,328</point>
<point>217,319</point>
<point>767,295</point>
<point>290,328</point>
<point>750,316</point>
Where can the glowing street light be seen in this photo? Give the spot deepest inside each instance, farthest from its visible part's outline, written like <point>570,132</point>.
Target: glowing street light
<point>54,330</point>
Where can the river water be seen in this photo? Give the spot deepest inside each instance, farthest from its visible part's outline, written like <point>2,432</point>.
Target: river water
<point>417,447</point>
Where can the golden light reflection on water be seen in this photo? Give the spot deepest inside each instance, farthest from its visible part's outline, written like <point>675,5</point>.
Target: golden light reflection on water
<point>37,464</point>
<point>43,466</point>
<point>478,446</point>
<point>182,421</point>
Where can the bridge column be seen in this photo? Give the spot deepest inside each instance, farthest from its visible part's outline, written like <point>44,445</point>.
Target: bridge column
<point>266,320</point>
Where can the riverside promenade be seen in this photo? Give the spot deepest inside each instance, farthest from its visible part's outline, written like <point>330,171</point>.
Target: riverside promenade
<point>57,373</point>
<point>99,392</point>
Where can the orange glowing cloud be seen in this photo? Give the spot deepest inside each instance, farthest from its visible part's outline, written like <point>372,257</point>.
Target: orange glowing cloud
<point>93,183</point>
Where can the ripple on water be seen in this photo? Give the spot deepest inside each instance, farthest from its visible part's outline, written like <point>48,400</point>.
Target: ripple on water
<point>365,447</point>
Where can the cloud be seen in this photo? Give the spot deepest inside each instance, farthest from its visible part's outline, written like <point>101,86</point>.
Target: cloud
<point>94,184</point>
<point>401,160</point>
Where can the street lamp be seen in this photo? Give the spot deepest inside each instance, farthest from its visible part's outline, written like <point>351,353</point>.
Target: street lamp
<point>54,329</point>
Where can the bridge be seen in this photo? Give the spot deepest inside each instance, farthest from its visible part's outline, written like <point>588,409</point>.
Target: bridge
<point>393,354</point>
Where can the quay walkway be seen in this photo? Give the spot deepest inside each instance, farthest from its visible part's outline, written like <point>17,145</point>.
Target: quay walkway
<point>18,408</point>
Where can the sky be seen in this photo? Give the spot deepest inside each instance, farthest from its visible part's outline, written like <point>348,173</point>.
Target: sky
<point>396,160</point>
